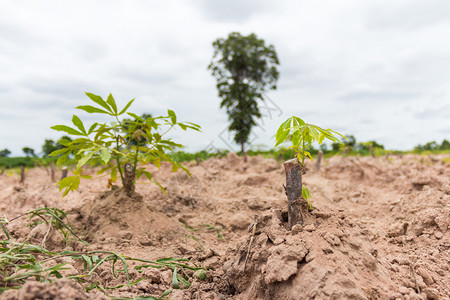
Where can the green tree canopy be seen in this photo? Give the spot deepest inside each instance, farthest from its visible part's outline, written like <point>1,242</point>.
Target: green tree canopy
<point>244,68</point>
<point>48,147</point>
<point>445,145</point>
<point>4,153</point>
<point>28,151</point>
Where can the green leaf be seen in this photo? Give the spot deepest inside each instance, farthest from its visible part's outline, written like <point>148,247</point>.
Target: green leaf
<point>306,153</point>
<point>91,109</point>
<point>87,261</point>
<point>86,157</point>
<point>183,281</point>
<point>296,137</point>
<point>147,174</point>
<point>135,116</point>
<point>92,128</point>
<point>125,108</point>
<point>99,101</point>
<point>332,131</point>
<point>79,141</point>
<point>62,159</point>
<point>321,138</point>
<point>172,115</point>
<point>112,103</point>
<point>105,155</point>
<point>283,132</point>
<point>305,193</point>
<point>300,121</point>
<point>314,133</point>
<point>166,292</point>
<point>64,142</point>
<point>70,183</point>
<point>173,259</point>
<point>175,283</point>
<point>77,122</point>
<point>67,129</point>
<point>102,170</point>
<point>59,152</point>
<point>193,126</point>
<point>201,275</point>
<point>152,123</point>
<point>114,174</point>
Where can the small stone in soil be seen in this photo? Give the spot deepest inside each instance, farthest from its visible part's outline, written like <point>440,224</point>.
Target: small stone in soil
<point>310,228</point>
<point>327,250</point>
<point>126,235</point>
<point>403,290</point>
<point>296,229</point>
<point>438,235</point>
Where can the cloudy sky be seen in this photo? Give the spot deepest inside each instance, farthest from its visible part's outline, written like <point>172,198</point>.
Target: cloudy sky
<point>379,70</point>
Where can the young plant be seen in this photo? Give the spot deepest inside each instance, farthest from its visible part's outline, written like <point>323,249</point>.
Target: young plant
<point>302,135</point>
<point>120,145</point>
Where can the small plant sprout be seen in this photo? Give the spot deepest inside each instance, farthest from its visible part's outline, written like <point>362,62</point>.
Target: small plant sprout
<point>302,135</point>
<point>120,145</point>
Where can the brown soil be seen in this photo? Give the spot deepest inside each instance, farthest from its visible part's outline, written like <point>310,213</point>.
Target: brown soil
<point>380,229</point>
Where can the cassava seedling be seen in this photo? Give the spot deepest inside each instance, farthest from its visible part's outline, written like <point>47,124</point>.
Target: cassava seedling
<point>302,135</point>
<point>120,145</point>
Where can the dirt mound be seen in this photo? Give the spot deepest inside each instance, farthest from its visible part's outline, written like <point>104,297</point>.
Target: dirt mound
<point>329,257</point>
<point>116,218</point>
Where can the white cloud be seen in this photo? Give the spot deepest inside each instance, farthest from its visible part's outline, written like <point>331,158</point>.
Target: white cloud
<point>372,69</point>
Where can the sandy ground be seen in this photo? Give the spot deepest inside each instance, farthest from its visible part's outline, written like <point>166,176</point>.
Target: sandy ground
<point>379,230</point>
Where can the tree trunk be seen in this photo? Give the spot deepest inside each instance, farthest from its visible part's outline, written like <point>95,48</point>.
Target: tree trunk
<point>22,174</point>
<point>293,189</point>
<point>64,173</point>
<point>243,152</point>
<point>129,177</point>
<point>2,171</point>
<point>319,160</point>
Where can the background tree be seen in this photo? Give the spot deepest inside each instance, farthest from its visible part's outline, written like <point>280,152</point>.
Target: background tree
<point>4,153</point>
<point>28,151</point>
<point>50,145</point>
<point>244,68</point>
<point>445,145</point>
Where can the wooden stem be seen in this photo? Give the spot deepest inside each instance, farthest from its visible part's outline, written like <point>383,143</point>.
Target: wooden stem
<point>319,160</point>
<point>293,189</point>
<point>22,174</point>
<point>64,173</point>
<point>128,183</point>
<point>52,170</point>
